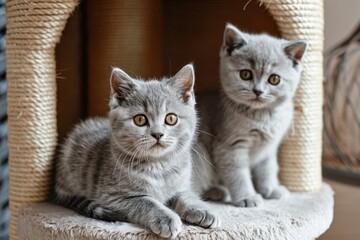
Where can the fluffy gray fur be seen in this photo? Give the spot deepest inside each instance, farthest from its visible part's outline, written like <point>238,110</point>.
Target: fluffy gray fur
<point>252,118</point>
<point>114,170</point>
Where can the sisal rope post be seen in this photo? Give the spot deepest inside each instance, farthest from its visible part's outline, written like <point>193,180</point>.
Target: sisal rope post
<point>300,154</point>
<point>125,34</point>
<point>33,29</point>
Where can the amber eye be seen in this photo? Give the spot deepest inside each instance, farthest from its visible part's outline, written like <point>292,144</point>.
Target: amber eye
<point>171,119</point>
<point>274,79</point>
<point>140,120</point>
<point>246,75</point>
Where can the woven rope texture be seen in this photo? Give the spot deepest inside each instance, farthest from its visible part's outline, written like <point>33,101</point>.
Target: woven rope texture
<point>300,154</point>
<point>34,28</point>
<point>140,43</point>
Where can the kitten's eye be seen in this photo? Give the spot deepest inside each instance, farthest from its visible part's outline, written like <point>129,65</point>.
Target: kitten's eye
<point>140,120</point>
<point>274,79</point>
<point>246,75</point>
<point>171,119</point>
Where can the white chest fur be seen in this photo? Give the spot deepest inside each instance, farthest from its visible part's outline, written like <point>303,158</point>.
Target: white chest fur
<point>162,180</point>
<point>258,134</point>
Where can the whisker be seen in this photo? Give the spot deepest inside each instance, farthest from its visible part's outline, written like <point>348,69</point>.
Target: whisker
<point>195,167</point>
<point>118,158</point>
<point>132,159</point>
<point>202,156</point>
<point>201,131</point>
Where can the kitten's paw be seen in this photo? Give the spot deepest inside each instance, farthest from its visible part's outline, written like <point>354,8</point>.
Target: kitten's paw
<point>166,226</point>
<point>217,193</point>
<point>280,192</point>
<point>202,218</point>
<point>251,201</point>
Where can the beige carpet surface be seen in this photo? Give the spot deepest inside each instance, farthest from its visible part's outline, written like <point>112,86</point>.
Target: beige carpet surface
<point>300,217</point>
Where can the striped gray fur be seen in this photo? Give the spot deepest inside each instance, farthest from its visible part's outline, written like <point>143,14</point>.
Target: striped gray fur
<point>249,118</point>
<point>113,169</point>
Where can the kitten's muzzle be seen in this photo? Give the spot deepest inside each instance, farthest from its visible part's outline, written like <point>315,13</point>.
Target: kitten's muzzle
<point>257,92</point>
<point>157,136</point>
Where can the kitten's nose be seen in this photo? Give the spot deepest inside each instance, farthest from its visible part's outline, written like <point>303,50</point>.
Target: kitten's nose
<point>157,136</point>
<point>257,92</point>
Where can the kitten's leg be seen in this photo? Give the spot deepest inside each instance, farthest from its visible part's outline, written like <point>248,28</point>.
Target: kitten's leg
<point>193,210</point>
<point>241,188</point>
<point>217,193</point>
<point>267,181</point>
<point>142,210</point>
<point>232,167</point>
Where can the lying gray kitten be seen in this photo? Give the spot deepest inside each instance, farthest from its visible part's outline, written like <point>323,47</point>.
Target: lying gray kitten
<point>136,166</point>
<point>259,77</point>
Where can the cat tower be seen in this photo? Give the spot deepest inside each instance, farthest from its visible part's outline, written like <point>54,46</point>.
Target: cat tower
<point>33,30</point>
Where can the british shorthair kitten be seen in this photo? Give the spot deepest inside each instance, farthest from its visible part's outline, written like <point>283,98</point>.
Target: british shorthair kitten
<point>136,165</point>
<point>259,76</point>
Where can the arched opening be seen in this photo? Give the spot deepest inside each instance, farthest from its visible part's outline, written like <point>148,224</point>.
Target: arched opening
<point>147,40</point>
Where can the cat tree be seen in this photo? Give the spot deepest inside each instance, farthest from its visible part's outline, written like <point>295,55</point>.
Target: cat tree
<point>33,30</point>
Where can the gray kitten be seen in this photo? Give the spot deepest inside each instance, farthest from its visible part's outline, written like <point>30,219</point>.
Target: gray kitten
<point>259,76</point>
<point>136,166</point>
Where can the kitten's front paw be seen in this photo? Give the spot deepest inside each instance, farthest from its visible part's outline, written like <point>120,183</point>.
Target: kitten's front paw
<point>202,218</point>
<point>251,201</point>
<point>166,226</point>
<point>280,192</point>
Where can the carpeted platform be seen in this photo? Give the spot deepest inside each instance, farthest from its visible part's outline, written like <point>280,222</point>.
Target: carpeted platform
<point>300,217</point>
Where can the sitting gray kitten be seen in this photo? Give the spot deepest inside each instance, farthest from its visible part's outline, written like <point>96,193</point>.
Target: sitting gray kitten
<point>259,77</point>
<point>136,166</point>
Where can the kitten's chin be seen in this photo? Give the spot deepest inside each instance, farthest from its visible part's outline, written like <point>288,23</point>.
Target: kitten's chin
<point>159,150</point>
<point>270,104</point>
<point>257,103</point>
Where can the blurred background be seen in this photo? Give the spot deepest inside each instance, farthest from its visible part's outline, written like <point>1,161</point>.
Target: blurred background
<point>342,19</point>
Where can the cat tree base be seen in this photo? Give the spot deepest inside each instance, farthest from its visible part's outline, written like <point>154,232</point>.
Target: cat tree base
<point>300,217</point>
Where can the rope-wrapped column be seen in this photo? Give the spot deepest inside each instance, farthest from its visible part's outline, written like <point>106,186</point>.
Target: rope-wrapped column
<point>300,154</point>
<point>33,29</point>
<point>126,34</point>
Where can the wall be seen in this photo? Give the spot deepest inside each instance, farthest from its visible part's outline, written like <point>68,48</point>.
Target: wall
<point>341,17</point>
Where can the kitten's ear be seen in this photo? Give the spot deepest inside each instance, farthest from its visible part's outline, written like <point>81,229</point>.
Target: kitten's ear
<point>233,38</point>
<point>295,50</point>
<point>121,84</point>
<point>184,82</point>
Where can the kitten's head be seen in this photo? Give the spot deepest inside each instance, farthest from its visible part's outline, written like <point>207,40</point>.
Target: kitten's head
<point>259,71</point>
<point>153,118</point>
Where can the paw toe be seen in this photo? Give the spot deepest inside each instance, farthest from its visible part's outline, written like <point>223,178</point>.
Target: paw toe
<point>216,222</point>
<point>279,193</point>
<point>251,201</point>
<point>202,218</point>
<point>167,227</point>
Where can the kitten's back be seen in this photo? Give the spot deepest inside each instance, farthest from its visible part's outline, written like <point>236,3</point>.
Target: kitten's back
<point>77,156</point>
